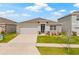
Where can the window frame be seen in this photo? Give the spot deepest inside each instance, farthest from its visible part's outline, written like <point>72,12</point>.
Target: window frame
<point>77,18</point>
<point>52,27</point>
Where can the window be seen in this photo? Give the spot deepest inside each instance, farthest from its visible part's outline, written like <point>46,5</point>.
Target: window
<point>78,17</point>
<point>52,27</point>
<point>76,27</point>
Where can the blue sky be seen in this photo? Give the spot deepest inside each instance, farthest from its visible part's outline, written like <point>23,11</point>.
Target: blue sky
<point>25,11</point>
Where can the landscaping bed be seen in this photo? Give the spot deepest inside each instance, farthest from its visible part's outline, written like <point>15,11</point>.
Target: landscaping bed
<point>8,37</point>
<point>58,51</point>
<point>58,39</point>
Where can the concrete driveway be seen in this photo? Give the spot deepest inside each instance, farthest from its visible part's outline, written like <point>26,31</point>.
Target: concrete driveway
<point>25,38</point>
<point>22,44</point>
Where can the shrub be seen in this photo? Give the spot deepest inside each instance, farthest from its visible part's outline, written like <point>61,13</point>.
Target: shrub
<point>48,33</point>
<point>3,32</point>
<point>62,33</point>
<point>52,33</point>
<point>39,32</point>
<point>74,33</point>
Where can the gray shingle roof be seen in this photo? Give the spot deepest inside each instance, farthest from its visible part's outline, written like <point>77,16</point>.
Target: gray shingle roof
<point>40,19</point>
<point>6,21</point>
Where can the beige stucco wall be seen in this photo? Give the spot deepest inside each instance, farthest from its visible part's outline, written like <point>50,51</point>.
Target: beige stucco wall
<point>10,28</point>
<point>2,28</point>
<point>59,28</point>
<point>7,28</point>
<point>7,25</point>
<point>35,24</point>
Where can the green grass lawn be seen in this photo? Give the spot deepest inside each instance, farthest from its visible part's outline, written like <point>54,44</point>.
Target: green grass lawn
<point>8,37</point>
<point>58,39</point>
<point>58,51</point>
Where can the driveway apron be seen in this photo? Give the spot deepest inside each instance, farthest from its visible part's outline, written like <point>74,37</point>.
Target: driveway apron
<point>22,44</point>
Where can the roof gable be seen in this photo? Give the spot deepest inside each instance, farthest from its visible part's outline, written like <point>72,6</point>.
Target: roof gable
<point>38,19</point>
<point>6,21</point>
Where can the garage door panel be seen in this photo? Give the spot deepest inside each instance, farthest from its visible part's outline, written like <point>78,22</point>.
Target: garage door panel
<point>28,30</point>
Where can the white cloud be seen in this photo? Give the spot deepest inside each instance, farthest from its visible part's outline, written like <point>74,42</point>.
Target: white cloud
<point>44,5</point>
<point>7,12</point>
<point>72,11</point>
<point>62,10</point>
<point>38,6</point>
<point>24,14</point>
<point>2,12</point>
<point>10,11</point>
<point>15,14</point>
<point>76,5</point>
<point>48,8</point>
<point>41,4</point>
<point>58,14</point>
<point>34,8</point>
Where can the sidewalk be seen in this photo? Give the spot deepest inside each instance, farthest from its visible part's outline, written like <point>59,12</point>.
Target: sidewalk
<point>18,49</point>
<point>58,45</point>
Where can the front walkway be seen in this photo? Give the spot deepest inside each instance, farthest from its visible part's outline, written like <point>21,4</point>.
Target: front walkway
<point>57,45</point>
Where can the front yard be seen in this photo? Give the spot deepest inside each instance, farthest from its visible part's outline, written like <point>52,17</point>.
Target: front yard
<point>58,39</point>
<point>8,37</point>
<point>58,51</point>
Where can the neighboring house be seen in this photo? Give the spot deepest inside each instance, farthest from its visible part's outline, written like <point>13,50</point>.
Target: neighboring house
<point>39,25</point>
<point>7,25</point>
<point>70,23</point>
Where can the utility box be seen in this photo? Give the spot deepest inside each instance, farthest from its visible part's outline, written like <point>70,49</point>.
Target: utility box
<point>1,37</point>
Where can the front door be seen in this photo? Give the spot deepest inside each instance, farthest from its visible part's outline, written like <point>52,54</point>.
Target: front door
<point>42,28</point>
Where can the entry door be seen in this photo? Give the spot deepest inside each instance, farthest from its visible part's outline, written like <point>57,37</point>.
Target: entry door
<point>42,28</point>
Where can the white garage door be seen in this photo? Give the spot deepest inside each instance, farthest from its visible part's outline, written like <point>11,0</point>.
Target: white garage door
<point>28,30</point>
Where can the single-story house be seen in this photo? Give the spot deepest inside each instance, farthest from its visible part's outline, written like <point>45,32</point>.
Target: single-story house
<point>7,25</point>
<point>39,25</point>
